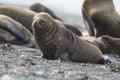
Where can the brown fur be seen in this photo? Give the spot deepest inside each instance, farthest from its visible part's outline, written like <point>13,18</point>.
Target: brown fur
<point>97,42</point>
<point>112,44</point>
<point>69,27</point>
<point>57,42</point>
<point>6,36</point>
<point>37,7</point>
<point>22,15</point>
<point>103,15</point>
<point>13,32</point>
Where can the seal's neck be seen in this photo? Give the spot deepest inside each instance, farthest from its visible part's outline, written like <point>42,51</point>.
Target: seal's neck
<point>46,31</point>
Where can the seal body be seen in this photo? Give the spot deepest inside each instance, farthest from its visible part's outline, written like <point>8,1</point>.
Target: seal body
<point>22,15</point>
<point>25,16</point>
<point>112,44</point>
<point>103,17</point>
<point>69,27</point>
<point>97,42</point>
<point>57,42</point>
<point>37,7</point>
<point>13,32</point>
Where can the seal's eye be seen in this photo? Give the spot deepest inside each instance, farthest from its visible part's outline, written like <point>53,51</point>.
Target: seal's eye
<point>42,22</point>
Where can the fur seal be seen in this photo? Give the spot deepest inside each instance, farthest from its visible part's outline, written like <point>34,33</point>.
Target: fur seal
<point>103,15</point>
<point>25,16</point>
<point>89,25</point>
<point>13,32</point>
<point>38,7</point>
<point>97,42</point>
<point>22,15</point>
<point>69,27</point>
<point>112,44</point>
<point>57,42</point>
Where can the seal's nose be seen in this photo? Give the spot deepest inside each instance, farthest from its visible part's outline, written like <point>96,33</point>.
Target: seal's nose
<point>35,24</point>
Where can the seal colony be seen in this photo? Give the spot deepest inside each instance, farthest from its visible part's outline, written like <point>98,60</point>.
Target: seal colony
<point>57,42</point>
<point>102,16</point>
<point>37,7</point>
<point>55,38</point>
<point>25,17</point>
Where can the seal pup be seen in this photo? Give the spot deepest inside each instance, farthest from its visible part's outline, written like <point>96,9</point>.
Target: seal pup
<point>57,42</point>
<point>13,32</point>
<point>103,15</point>
<point>69,27</point>
<point>38,7</point>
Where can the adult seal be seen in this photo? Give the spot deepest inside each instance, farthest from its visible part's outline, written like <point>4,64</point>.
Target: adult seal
<point>112,44</point>
<point>19,14</point>
<point>57,42</point>
<point>103,16</point>
<point>38,7</point>
<point>13,32</point>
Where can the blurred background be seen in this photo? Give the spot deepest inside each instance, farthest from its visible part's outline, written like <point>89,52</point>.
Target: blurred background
<point>68,10</point>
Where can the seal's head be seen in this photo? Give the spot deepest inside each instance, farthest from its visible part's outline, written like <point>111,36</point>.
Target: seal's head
<point>42,20</point>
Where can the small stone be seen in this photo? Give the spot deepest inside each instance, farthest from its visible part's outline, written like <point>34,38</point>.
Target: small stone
<point>6,77</point>
<point>84,64</point>
<point>22,56</point>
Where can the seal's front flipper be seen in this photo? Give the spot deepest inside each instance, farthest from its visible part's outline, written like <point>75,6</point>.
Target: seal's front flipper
<point>61,52</point>
<point>62,56</point>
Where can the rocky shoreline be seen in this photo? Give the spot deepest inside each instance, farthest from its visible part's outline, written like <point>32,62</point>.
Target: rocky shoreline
<point>22,63</point>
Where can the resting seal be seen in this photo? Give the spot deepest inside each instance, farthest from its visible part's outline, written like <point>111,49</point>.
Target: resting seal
<point>25,16</point>
<point>37,7</point>
<point>103,15</point>
<point>112,44</point>
<point>13,32</point>
<point>22,15</point>
<point>57,42</point>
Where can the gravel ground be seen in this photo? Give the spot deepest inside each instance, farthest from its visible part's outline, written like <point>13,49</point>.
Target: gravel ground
<point>22,63</point>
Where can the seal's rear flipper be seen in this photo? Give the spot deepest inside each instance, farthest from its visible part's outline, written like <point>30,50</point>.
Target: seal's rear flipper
<point>105,60</point>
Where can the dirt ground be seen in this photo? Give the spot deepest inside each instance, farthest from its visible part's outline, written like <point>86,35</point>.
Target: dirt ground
<point>22,63</point>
